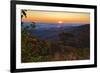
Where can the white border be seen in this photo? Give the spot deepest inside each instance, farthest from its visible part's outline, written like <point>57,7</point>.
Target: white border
<point>20,65</point>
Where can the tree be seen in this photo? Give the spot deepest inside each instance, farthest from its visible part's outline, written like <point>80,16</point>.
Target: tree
<point>23,14</point>
<point>33,25</point>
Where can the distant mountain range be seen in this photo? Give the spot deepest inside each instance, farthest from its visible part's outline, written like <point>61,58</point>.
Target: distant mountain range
<point>51,25</point>
<point>48,31</point>
<point>51,31</point>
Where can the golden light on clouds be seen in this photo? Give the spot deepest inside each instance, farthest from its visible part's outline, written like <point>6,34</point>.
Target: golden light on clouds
<point>56,17</point>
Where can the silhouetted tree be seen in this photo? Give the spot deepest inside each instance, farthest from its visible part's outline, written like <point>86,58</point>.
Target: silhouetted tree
<point>23,14</point>
<point>33,25</point>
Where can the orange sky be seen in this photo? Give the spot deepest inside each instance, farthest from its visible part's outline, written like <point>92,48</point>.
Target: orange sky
<point>56,17</point>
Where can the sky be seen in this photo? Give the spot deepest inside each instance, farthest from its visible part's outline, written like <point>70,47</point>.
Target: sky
<point>56,17</point>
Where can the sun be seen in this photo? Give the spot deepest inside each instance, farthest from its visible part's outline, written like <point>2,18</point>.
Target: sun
<point>60,22</point>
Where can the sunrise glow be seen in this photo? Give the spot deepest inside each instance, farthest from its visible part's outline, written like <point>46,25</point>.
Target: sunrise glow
<point>60,22</point>
<point>56,17</point>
